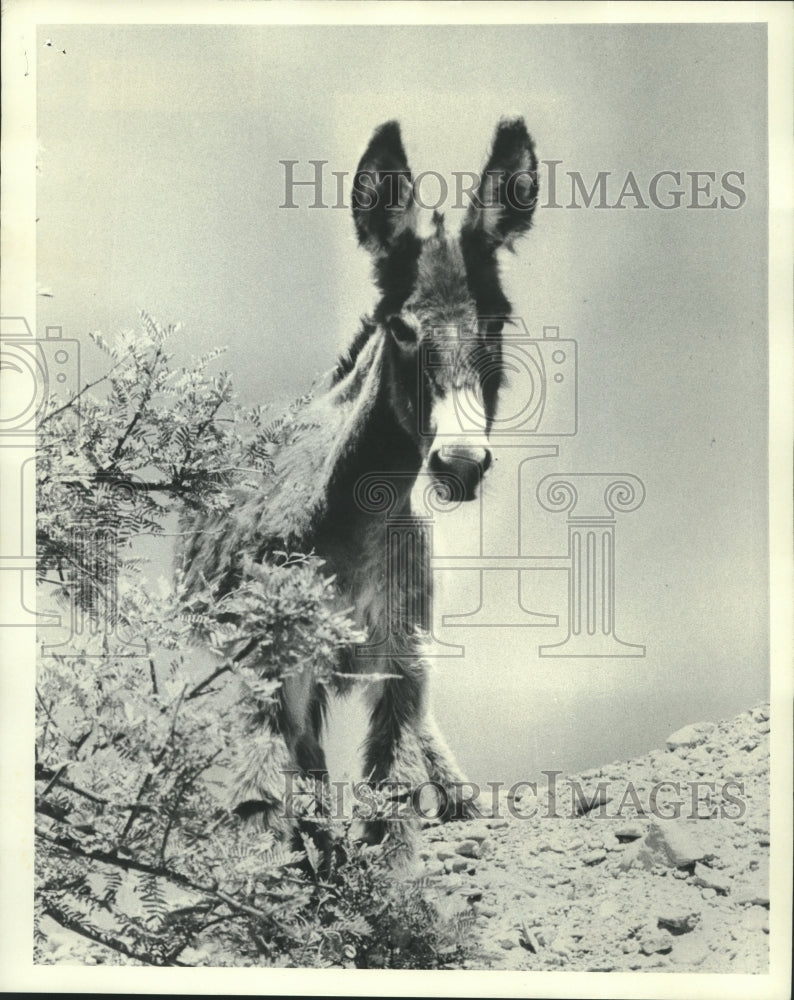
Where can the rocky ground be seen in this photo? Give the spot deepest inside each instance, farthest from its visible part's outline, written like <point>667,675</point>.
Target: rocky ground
<point>659,863</point>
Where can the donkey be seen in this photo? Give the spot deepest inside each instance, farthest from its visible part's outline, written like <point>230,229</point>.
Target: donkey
<point>384,418</point>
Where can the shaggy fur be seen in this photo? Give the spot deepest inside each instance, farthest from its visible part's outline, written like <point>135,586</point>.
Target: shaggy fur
<point>378,415</point>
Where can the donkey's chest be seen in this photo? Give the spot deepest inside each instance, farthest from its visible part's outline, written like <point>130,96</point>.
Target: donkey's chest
<point>362,578</point>
<point>384,579</point>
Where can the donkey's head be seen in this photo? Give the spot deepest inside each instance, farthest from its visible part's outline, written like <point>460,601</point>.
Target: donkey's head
<point>442,307</point>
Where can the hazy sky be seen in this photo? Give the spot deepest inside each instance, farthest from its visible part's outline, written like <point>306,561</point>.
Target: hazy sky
<point>160,186</point>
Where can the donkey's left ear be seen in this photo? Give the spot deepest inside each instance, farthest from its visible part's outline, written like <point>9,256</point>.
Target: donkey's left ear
<point>501,211</point>
<point>383,198</point>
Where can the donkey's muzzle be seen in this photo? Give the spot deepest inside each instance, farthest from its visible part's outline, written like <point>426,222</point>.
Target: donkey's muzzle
<point>457,470</point>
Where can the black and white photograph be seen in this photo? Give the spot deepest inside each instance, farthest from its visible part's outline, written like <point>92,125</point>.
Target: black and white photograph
<point>396,499</point>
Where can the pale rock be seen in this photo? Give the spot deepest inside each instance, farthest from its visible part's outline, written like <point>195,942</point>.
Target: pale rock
<point>690,736</point>
<point>752,888</point>
<point>707,878</point>
<point>563,944</point>
<point>678,921</point>
<point>609,908</point>
<point>669,843</point>
<point>469,848</point>
<point>690,951</point>
<point>630,831</point>
<point>757,918</point>
<point>653,942</point>
<point>549,846</point>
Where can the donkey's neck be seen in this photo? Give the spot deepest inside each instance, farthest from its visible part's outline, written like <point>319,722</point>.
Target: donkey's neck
<point>374,456</point>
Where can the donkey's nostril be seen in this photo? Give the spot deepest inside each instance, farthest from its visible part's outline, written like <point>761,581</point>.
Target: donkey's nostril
<point>459,454</point>
<point>459,469</point>
<point>434,461</point>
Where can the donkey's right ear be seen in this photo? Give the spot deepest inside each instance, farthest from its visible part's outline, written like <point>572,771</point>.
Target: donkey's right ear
<point>504,203</point>
<point>383,196</point>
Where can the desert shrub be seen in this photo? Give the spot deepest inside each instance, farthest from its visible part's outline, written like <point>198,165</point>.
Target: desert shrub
<point>139,859</point>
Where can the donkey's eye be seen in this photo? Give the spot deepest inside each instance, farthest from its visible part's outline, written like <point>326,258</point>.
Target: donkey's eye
<point>401,331</point>
<point>492,327</point>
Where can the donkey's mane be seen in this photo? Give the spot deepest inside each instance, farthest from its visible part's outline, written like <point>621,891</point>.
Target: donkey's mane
<point>347,360</point>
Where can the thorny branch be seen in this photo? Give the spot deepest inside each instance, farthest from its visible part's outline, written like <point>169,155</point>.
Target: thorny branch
<point>70,403</point>
<point>72,847</point>
<point>146,396</point>
<point>55,913</point>
<point>155,764</point>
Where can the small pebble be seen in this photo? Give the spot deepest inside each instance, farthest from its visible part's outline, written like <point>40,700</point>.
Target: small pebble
<point>654,943</point>
<point>469,848</point>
